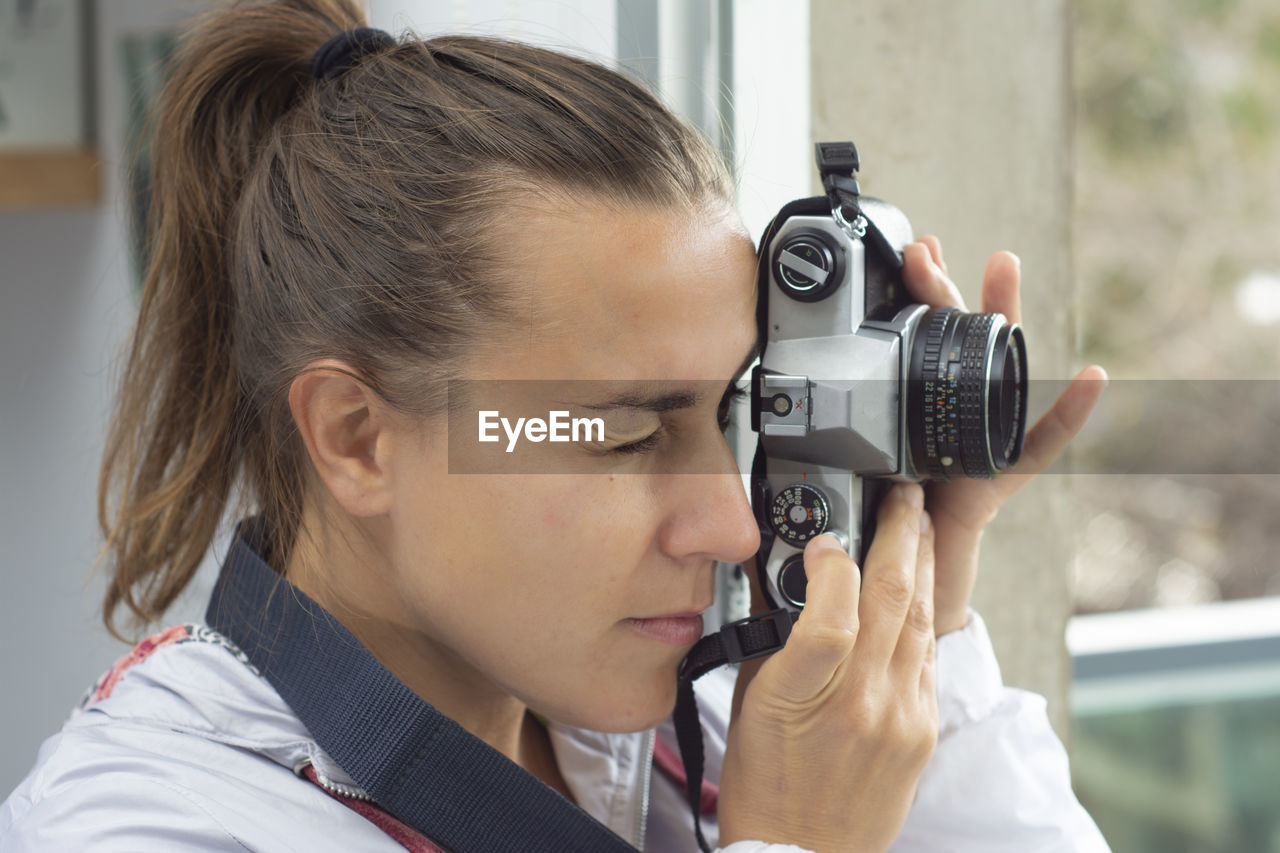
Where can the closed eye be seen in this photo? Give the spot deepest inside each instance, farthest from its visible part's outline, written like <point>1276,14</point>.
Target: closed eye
<point>649,442</point>
<point>735,392</point>
<point>653,439</point>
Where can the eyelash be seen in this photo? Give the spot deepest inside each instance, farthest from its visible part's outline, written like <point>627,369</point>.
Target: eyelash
<point>650,441</point>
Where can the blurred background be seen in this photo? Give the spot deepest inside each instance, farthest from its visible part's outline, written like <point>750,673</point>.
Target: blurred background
<point>1176,698</point>
<point>1127,150</point>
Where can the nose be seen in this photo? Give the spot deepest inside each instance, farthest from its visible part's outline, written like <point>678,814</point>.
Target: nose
<point>710,516</point>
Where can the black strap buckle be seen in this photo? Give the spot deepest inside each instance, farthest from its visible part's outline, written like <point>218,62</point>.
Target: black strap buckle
<point>836,158</point>
<point>742,643</point>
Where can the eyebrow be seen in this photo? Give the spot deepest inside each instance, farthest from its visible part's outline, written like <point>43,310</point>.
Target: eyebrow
<point>670,400</point>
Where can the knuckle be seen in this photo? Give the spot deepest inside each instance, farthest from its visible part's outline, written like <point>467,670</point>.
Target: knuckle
<point>896,739</point>
<point>911,731</point>
<point>931,650</point>
<point>863,715</point>
<point>825,640</point>
<point>925,745</point>
<point>920,615</point>
<point>893,588</point>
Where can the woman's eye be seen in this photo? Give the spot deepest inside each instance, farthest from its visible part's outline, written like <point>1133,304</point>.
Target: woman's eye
<point>649,442</point>
<point>653,439</point>
<point>737,392</point>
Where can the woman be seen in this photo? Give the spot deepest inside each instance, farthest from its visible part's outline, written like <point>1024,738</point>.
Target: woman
<point>354,240</point>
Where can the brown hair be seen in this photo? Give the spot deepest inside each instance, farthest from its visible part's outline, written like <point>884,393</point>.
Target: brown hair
<point>294,219</point>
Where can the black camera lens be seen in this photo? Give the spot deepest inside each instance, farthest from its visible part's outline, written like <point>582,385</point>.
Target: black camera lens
<point>967,395</point>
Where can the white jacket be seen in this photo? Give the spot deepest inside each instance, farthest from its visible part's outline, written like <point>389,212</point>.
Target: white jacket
<point>185,745</point>
<point>193,749</point>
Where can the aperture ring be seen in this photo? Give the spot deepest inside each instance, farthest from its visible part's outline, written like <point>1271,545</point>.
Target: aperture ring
<point>939,432</point>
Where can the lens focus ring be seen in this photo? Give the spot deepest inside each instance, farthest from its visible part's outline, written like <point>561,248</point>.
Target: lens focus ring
<point>972,396</point>
<point>966,403</point>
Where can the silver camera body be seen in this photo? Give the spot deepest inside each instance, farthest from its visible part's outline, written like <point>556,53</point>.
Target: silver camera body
<point>857,387</point>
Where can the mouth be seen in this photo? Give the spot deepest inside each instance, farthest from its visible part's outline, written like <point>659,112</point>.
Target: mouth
<point>677,629</point>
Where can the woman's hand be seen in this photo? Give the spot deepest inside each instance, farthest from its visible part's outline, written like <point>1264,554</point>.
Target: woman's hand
<point>961,509</point>
<point>835,729</point>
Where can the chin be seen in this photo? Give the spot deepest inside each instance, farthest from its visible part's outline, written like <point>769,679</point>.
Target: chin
<point>619,705</point>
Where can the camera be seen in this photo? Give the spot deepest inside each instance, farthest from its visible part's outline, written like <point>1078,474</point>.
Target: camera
<point>857,387</point>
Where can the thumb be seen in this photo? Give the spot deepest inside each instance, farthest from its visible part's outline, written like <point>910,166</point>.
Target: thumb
<point>824,636</point>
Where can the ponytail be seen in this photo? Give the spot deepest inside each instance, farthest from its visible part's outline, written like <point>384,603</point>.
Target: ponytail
<point>175,446</point>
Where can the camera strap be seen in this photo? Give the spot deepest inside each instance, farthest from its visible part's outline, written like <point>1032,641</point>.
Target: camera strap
<point>753,637</point>
<point>837,166</point>
<point>881,226</point>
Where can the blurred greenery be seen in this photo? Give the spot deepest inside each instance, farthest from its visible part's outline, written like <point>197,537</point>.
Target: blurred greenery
<point>1250,114</point>
<point>1177,252</point>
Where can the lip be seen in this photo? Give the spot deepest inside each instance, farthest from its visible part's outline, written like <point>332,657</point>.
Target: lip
<point>677,629</point>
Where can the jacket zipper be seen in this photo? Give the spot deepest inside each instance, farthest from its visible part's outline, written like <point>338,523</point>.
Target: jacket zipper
<point>646,776</point>
<point>642,815</point>
<point>329,785</point>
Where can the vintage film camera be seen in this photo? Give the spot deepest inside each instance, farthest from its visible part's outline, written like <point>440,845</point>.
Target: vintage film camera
<point>856,386</point>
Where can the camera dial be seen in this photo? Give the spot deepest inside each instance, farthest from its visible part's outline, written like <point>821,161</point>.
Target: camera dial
<point>807,266</point>
<point>799,513</point>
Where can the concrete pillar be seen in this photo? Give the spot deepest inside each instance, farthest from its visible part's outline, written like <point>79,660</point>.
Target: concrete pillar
<point>961,110</point>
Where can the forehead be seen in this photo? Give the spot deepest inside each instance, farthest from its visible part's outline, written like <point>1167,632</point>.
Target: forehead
<point>621,292</point>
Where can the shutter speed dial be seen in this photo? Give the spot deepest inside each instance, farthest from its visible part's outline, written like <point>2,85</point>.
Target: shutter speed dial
<point>798,513</point>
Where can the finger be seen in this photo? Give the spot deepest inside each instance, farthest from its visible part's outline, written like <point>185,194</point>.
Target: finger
<point>929,679</point>
<point>824,636</point>
<point>889,578</point>
<point>918,630</point>
<point>1053,432</point>
<point>1001,286</point>
<point>925,280</point>
<point>935,251</point>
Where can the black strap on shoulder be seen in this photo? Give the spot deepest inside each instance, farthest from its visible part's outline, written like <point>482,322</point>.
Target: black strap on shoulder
<point>745,639</point>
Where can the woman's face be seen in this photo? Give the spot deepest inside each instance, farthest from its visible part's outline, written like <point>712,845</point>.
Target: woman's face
<point>572,575</point>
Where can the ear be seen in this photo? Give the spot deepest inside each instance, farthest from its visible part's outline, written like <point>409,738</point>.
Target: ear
<point>346,429</point>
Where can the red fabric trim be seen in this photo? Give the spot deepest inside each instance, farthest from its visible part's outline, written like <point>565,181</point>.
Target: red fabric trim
<point>667,760</point>
<point>135,656</point>
<point>408,838</point>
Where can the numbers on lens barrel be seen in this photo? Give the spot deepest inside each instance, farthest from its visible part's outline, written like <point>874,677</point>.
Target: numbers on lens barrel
<point>798,513</point>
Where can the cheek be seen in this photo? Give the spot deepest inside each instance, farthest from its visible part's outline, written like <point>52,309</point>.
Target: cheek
<point>496,540</point>
<point>554,517</point>
<point>604,509</point>
<point>531,590</point>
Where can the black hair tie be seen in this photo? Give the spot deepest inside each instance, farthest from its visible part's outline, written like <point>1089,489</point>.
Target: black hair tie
<point>346,49</point>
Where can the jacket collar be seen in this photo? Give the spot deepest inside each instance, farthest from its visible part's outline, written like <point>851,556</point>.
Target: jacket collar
<point>412,760</point>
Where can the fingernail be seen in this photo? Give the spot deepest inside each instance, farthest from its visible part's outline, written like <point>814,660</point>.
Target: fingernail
<point>829,540</point>
<point>912,493</point>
